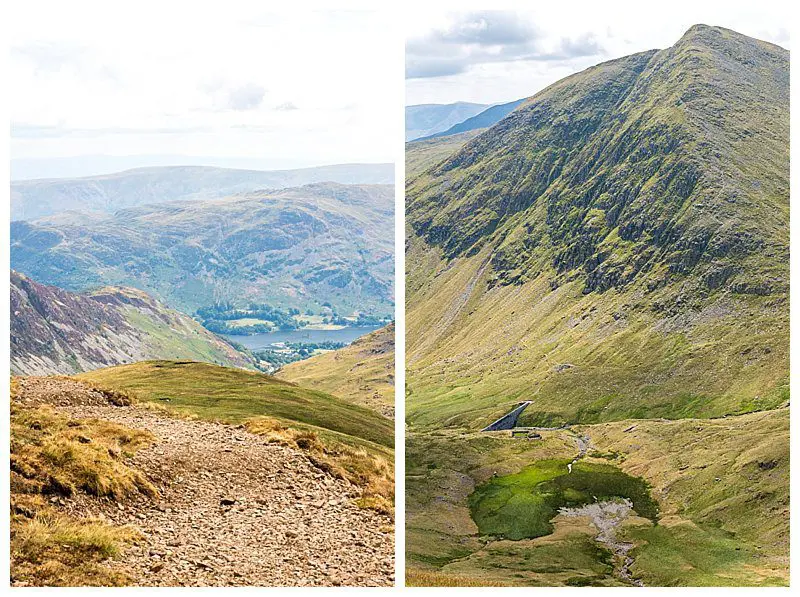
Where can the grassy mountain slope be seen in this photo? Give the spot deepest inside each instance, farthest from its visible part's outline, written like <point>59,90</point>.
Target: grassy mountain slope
<point>721,486</point>
<point>362,372</point>
<point>287,248</point>
<point>426,119</point>
<point>233,396</point>
<point>55,331</point>
<point>33,199</point>
<point>616,247</point>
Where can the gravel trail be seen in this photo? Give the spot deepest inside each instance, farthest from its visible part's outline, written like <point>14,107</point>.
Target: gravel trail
<point>231,509</point>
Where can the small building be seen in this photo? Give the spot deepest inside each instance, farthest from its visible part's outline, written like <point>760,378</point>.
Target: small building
<point>525,433</point>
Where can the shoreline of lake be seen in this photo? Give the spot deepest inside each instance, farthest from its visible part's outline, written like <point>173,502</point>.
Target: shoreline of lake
<point>345,335</point>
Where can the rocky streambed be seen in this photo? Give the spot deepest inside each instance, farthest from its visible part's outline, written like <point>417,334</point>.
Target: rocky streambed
<point>607,517</point>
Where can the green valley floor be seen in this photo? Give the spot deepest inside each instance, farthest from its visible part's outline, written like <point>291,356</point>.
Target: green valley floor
<point>692,502</point>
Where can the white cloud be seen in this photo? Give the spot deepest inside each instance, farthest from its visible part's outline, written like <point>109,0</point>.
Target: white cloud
<point>543,42</point>
<point>474,38</point>
<point>227,80</point>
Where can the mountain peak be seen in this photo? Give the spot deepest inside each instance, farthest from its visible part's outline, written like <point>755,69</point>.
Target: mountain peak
<point>717,37</point>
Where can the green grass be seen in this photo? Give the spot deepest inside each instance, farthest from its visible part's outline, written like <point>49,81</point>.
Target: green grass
<point>421,155</point>
<point>362,372</point>
<point>522,505</point>
<point>185,339</point>
<point>470,357</point>
<point>575,560</point>
<point>233,396</point>
<point>688,555</point>
<point>720,485</point>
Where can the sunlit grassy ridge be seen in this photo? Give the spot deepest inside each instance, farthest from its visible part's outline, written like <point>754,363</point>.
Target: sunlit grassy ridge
<point>362,372</point>
<point>343,438</point>
<point>233,396</point>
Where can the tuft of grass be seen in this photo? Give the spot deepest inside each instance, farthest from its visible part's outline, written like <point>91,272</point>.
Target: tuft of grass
<point>372,473</point>
<point>54,454</point>
<point>51,549</point>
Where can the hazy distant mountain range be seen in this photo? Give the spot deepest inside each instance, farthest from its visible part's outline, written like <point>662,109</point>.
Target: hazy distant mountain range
<point>423,120</point>
<point>108,193</point>
<point>481,120</point>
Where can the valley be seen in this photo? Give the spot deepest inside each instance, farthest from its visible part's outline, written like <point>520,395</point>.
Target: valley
<point>613,252</point>
<point>149,448</point>
<point>715,505</point>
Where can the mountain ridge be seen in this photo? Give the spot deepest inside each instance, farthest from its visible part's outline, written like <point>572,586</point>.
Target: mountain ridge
<point>58,332</point>
<point>625,221</point>
<point>425,119</point>
<point>295,247</point>
<point>484,119</point>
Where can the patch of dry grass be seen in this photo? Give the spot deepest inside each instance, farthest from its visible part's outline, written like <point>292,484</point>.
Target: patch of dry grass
<point>372,473</point>
<point>426,578</point>
<point>53,454</point>
<point>51,549</point>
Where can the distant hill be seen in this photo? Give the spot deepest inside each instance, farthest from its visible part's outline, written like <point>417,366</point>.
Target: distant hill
<point>423,120</point>
<point>299,247</point>
<point>362,373</point>
<point>32,199</point>
<point>55,331</point>
<point>482,120</point>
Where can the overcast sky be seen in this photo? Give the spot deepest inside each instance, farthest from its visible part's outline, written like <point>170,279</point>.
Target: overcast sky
<point>499,56</point>
<point>232,82</point>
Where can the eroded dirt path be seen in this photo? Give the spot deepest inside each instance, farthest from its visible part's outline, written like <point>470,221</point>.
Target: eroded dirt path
<point>234,510</point>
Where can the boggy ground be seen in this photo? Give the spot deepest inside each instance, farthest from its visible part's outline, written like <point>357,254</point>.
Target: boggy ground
<point>229,509</point>
<point>721,486</point>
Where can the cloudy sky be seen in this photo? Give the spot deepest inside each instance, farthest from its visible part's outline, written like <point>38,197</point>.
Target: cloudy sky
<point>498,56</point>
<point>234,85</point>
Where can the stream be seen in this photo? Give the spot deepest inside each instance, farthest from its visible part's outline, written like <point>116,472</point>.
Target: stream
<point>607,517</point>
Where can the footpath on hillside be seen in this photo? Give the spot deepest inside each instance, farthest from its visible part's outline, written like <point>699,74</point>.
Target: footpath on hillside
<point>231,509</point>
